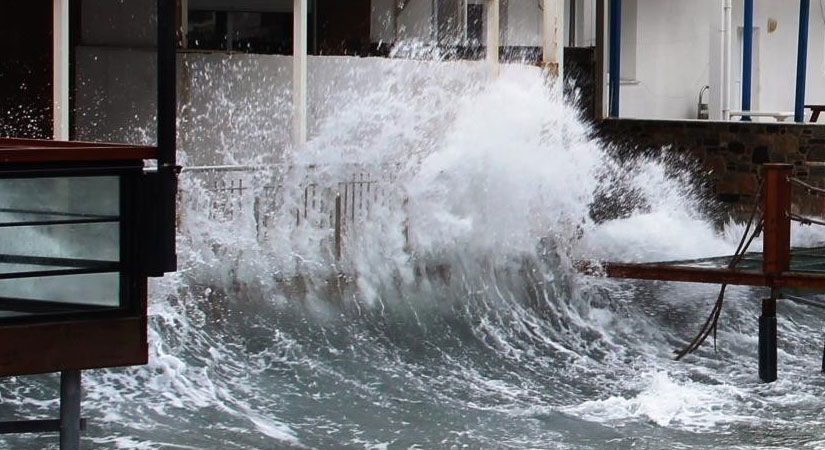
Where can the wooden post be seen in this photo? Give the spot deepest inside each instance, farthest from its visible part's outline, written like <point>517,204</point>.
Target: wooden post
<point>776,243</point>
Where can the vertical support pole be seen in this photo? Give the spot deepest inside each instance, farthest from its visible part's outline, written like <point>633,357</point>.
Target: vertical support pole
<point>338,228</point>
<point>802,61</point>
<point>183,23</point>
<point>552,36</point>
<point>571,38</point>
<point>601,58</point>
<point>615,55</point>
<point>299,73</point>
<point>747,59</point>
<point>493,36</point>
<point>727,32</point>
<point>767,340</point>
<point>167,134</point>
<point>70,394</point>
<point>60,75</point>
<point>776,259</point>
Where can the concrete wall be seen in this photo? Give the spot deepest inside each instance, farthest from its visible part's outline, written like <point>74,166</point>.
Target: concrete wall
<point>732,152</point>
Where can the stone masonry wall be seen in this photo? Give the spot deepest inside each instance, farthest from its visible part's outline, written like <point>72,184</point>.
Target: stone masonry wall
<point>732,152</point>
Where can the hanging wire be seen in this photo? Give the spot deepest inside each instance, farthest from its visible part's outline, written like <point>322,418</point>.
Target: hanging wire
<point>813,190</point>
<point>805,220</point>
<point>711,324</point>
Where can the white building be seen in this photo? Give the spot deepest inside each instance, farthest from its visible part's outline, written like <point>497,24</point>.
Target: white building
<point>671,49</point>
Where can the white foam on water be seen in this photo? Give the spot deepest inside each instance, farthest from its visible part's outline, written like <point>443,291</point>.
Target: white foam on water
<point>486,195</point>
<point>667,402</point>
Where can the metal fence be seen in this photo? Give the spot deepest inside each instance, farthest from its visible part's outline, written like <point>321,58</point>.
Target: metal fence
<point>340,207</point>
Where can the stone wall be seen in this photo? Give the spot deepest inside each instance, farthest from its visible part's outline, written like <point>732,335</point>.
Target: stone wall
<point>731,153</point>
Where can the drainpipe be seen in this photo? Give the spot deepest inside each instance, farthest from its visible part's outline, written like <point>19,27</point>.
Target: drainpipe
<point>299,73</point>
<point>493,31</point>
<point>801,61</point>
<point>615,55</point>
<point>552,44</point>
<point>727,31</point>
<point>747,59</point>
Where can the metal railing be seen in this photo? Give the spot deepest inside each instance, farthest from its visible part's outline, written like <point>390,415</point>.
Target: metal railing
<point>340,205</point>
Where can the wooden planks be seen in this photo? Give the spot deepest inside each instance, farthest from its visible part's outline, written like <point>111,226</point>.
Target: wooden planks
<point>664,272</point>
<point>40,348</point>
<point>34,151</point>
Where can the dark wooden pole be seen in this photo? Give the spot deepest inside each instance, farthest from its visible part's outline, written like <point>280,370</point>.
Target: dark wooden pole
<point>777,258</point>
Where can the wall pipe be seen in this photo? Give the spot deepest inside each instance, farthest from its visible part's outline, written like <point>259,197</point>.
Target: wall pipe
<point>802,60</point>
<point>747,58</point>
<point>615,55</point>
<point>727,31</point>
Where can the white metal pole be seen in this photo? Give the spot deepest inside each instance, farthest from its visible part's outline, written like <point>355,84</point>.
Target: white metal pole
<point>299,73</point>
<point>493,37</point>
<point>552,36</point>
<point>60,75</point>
<point>726,57</point>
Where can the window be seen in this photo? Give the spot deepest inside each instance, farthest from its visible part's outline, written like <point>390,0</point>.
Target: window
<point>252,32</point>
<point>629,40</point>
<point>251,26</point>
<point>60,246</point>
<point>475,24</point>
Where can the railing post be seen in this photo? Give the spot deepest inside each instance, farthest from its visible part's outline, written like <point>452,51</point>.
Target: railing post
<point>338,228</point>
<point>776,245</point>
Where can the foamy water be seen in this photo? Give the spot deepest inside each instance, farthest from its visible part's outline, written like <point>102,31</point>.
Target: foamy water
<point>453,317</point>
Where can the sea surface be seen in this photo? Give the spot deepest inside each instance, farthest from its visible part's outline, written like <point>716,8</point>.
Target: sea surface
<point>452,316</point>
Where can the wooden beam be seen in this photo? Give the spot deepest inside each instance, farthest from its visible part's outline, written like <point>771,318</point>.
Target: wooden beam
<point>776,235</point>
<point>663,272</point>
<point>40,348</point>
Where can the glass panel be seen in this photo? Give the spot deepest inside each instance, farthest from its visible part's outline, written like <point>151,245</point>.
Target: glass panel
<point>59,244</point>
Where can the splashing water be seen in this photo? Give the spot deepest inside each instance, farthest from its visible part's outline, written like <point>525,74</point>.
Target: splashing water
<point>452,317</point>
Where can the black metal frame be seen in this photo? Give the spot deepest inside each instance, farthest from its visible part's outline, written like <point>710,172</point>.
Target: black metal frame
<point>133,184</point>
